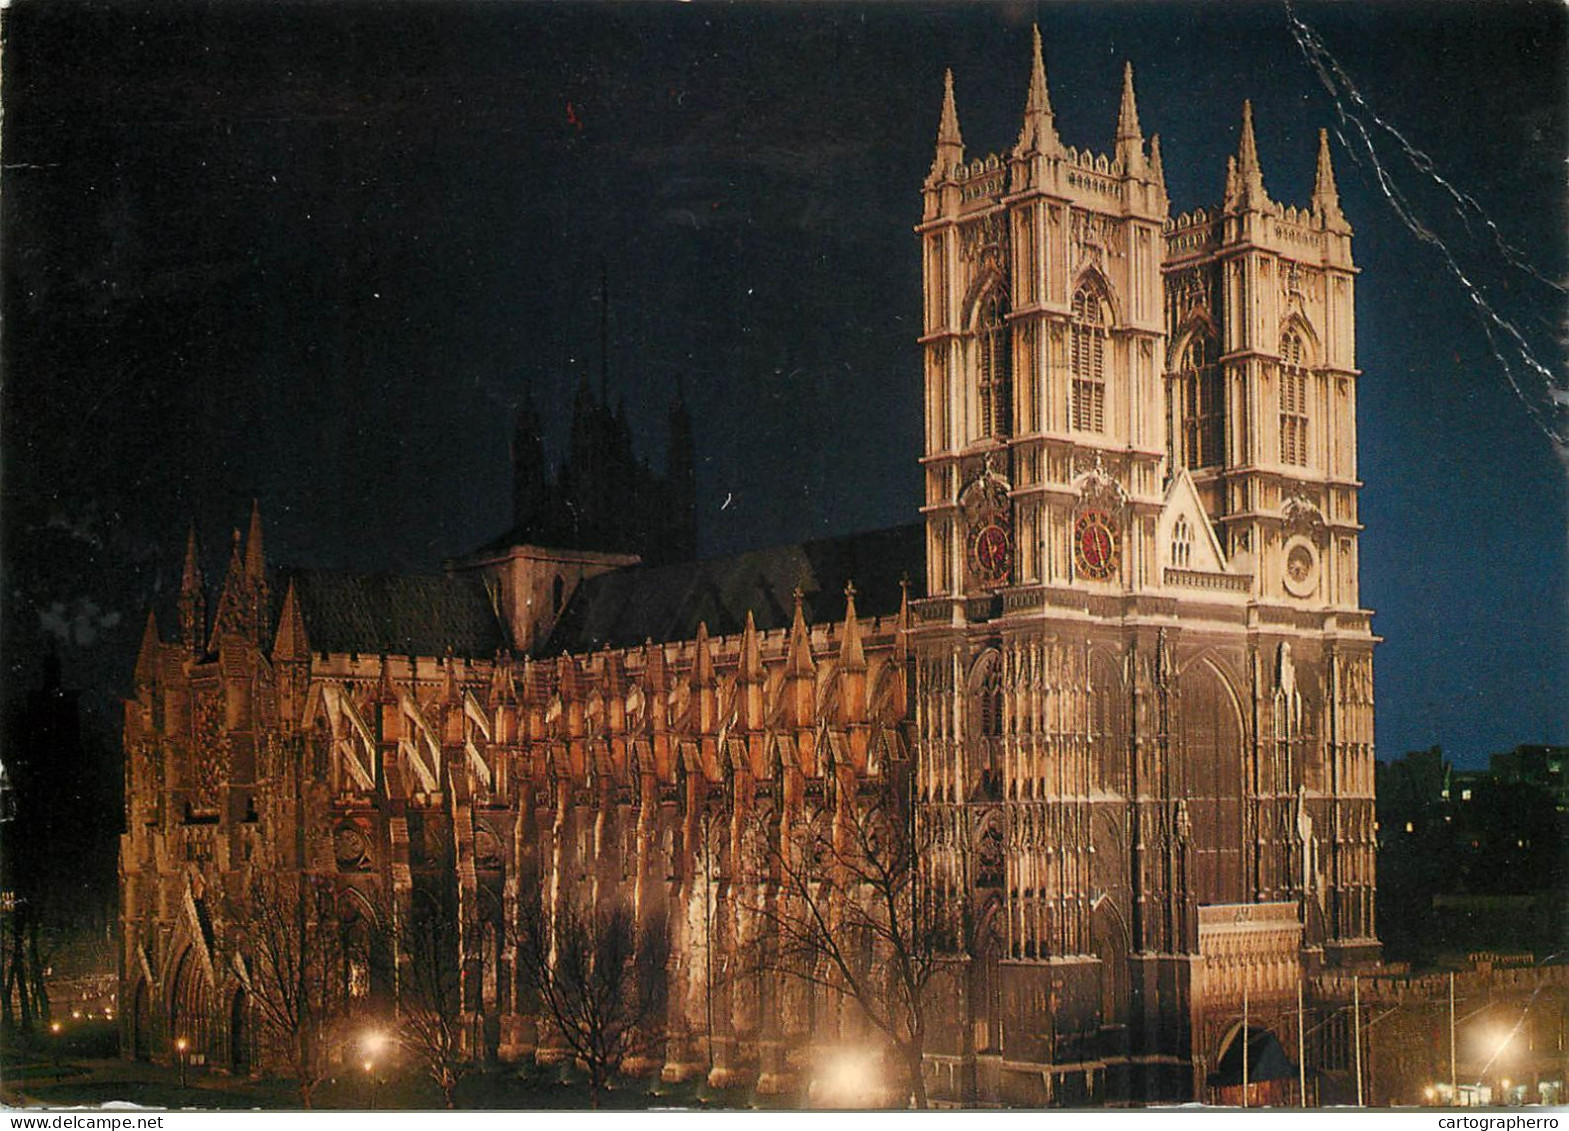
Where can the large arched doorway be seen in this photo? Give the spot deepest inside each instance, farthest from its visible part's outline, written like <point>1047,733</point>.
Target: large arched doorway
<point>190,1009</point>
<point>1255,1072</point>
<point>1210,773</point>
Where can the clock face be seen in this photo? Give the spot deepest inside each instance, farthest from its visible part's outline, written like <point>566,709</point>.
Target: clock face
<point>1095,545</point>
<point>991,551</point>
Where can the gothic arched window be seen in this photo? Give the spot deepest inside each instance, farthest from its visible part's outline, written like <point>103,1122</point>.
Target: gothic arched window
<point>994,370</point>
<point>1293,401</point>
<point>1088,360</point>
<point>1181,543</point>
<point>1203,419</point>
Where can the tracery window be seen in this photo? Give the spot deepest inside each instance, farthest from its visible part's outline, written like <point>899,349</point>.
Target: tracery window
<point>1293,401</point>
<point>1181,543</point>
<point>995,373</point>
<point>1087,360</point>
<point>1203,393</point>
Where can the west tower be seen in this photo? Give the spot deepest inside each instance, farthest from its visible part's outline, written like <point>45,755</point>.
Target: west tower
<point>1143,679</point>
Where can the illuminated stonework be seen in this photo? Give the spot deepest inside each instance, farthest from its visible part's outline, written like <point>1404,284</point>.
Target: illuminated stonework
<point>1133,709</point>
<point>1185,715</point>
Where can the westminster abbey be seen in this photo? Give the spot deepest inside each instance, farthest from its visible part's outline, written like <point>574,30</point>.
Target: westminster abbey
<point>1116,679</point>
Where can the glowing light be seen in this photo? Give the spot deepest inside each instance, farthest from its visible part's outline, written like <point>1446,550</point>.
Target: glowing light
<point>370,1066</point>
<point>374,1043</point>
<point>54,1026</point>
<point>1430,1093</point>
<point>848,1077</point>
<point>180,1045</point>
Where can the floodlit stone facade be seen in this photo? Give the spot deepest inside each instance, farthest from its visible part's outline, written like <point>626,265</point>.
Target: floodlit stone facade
<point>1130,719</point>
<point>1143,681</point>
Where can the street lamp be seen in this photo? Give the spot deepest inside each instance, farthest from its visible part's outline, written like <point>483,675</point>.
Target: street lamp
<point>374,1043</point>
<point>180,1045</point>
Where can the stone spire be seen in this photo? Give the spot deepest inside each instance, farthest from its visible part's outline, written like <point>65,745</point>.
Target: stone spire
<point>291,642</point>
<point>851,655</point>
<point>1326,198</point>
<point>950,145</point>
<point>193,602</point>
<point>147,655</point>
<point>752,678</point>
<point>1130,139</point>
<point>1039,134</point>
<point>233,615</point>
<point>704,673</point>
<point>258,600</point>
<point>799,657</point>
<point>1157,170</point>
<point>1246,190</point>
<point>751,652</point>
<point>255,564</point>
<point>852,680</point>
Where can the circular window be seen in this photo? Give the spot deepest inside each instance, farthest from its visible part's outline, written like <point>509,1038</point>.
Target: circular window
<point>1301,576</point>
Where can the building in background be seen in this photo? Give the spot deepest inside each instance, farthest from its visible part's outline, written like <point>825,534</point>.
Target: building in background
<point>1472,861</point>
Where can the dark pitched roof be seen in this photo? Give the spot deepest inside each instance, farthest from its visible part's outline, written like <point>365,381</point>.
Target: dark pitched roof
<point>396,614</point>
<point>626,607</point>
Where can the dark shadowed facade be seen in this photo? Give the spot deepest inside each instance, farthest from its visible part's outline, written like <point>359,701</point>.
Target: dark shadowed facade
<point>1120,670</point>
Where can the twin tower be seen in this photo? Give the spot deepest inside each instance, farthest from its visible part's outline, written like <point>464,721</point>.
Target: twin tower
<point>1143,722</point>
<point>1071,321</point>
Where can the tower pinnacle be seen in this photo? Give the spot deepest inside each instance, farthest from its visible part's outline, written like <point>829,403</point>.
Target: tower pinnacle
<point>950,144</point>
<point>255,561</point>
<point>193,602</point>
<point>1130,139</point>
<point>1248,190</point>
<point>1039,133</point>
<point>1326,197</point>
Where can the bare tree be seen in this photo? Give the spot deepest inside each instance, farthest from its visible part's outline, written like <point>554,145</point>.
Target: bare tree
<point>850,916</point>
<point>295,976</point>
<point>600,979</point>
<point>433,1010</point>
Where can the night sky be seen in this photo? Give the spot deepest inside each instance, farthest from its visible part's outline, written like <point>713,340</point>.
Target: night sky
<point>315,255</point>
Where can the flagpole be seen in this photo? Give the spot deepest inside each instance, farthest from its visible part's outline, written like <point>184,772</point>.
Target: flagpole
<point>1244,1044</point>
<point>1454,1078</point>
<point>1301,1046</point>
<point>1356,1031</point>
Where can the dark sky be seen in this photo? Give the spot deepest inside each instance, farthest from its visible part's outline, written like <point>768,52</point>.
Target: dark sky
<point>315,254</point>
